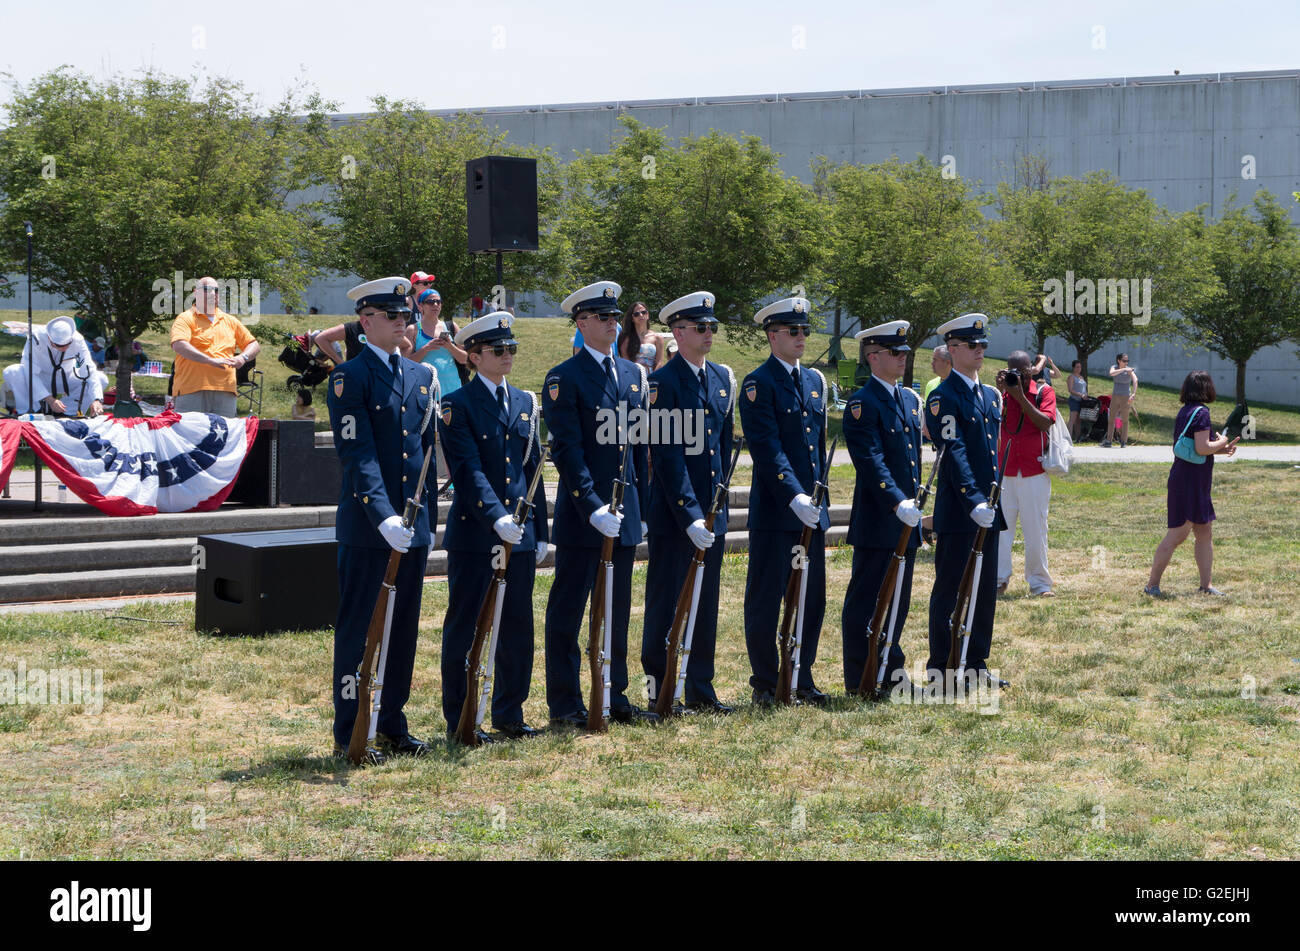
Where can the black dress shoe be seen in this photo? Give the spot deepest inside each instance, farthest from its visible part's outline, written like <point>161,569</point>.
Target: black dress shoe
<point>576,721</point>
<point>518,731</point>
<point>401,745</point>
<point>481,738</point>
<point>713,705</point>
<point>372,756</point>
<point>813,696</point>
<point>764,698</point>
<point>633,714</point>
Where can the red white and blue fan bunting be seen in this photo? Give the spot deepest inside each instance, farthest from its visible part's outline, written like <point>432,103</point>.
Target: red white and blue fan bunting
<point>175,462</point>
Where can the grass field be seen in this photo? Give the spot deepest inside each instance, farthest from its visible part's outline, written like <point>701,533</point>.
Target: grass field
<point>544,342</point>
<point>1133,730</point>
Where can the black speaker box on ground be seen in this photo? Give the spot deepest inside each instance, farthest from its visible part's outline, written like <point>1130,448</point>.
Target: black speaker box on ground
<point>258,582</point>
<point>501,201</point>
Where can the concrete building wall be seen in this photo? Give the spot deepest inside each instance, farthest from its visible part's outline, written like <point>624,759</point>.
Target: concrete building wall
<point>1183,139</point>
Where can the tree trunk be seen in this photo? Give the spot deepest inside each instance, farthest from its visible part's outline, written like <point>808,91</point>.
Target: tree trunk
<point>1082,357</point>
<point>1241,381</point>
<point>125,359</point>
<point>907,372</point>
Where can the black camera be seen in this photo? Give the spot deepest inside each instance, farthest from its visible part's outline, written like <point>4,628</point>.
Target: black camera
<point>1012,378</point>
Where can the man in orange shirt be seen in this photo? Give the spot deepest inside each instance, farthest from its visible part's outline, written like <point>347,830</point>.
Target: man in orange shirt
<point>205,339</point>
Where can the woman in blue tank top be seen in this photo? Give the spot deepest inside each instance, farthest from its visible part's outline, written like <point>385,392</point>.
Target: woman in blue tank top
<point>433,344</point>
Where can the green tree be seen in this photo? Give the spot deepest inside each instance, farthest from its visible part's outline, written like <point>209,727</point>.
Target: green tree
<point>399,202</point>
<point>127,181</point>
<point>709,212</point>
<point>909,244</point>
<point>1098,260</point>
<point>1254,254</point>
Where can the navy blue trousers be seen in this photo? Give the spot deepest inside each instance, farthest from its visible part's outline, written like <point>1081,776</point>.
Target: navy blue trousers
<point>869,567</point>
<point>566,627</point>
<point>469,575</point>
<point>950,554</point>
<point>361,571</point>
<point>671,556</point>
<point>771,558</point>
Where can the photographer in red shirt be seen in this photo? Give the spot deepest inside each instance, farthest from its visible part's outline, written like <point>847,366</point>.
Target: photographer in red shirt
<point>1028,411</point>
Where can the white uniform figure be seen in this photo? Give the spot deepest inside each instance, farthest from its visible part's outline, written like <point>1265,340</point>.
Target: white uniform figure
<point>61,368</point>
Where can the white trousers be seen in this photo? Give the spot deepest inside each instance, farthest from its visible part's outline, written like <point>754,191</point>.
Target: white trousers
<point>1026,497</point>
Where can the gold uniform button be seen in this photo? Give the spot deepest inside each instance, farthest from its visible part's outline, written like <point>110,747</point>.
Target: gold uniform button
<point>882,485</point>
<point>405,456</point>
<point>480,503</point>
<point>403,478</point>
<point>403,409</point>
<point>377,406</point>
<point>507,458</point>
<point>780,476</point>
<point>709,431</point>
<point>805,412</point>
<point>906,430</point>
<point>681,502</point>
<point>808,429</point>
<point>365,500</point>
<point>575,493</point>
<point>710,452</point>
<point>811,449</point>
<point>405,433</point>
<point>963,491</point>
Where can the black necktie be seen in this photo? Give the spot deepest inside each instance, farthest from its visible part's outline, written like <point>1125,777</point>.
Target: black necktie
<point>898,398</point>
<point>396,363</point>
<point>609,372</point>
<point>501,403</point>
<point>704,385</point>
<point>794,375</point>
<point>978,390</point>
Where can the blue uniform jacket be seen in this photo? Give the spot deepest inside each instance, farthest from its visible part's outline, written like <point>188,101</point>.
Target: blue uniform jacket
<point>683,483</point>
<point>376,427</point>
<point>886,449</point>
<point>491,460</point>
<point>586,446</point>
<point>786,435</point>
<point>969,465</point>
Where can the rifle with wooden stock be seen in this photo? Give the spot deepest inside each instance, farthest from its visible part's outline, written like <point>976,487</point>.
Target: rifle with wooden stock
<point>891,591</point>
<point>370,676</point>
<point>790,639</point>
<point>688,602</point>
<point>600,631</point>
<point>963,612</point>
<point>479,669</point>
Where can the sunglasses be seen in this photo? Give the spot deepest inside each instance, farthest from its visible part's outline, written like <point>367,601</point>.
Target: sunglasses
<point>703,327</point>
<point>798,330</point>
<point>501,349</point>
<point>889,350</point>
<point>603,318</point>
<point>972,346</point>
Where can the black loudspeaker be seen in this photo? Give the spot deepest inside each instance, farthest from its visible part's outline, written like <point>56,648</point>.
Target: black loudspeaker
<point>285,467</point>
<point>501,201</point>
<point>258,582</point>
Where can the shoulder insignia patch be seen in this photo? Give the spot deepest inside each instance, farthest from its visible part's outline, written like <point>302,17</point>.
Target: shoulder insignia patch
<point>856,409</point>
<point>553,391</point>
<point>653,389</point>
<point>338,384</point>
<point>446,415</point>
<point>934,406</point>
<point>751,390</point>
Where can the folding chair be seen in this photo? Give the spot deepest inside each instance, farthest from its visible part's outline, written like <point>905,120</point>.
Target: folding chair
<point>248,385</point>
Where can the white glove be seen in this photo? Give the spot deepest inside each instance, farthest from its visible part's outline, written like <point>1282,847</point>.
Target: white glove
<point>805,511</point>
<point>398,536</point>
<point>983,515</point>
<point>699,535</point>
<point>542,549</point>
<point>507,530</point>
<point>606,522</point>
<point>908,513</point>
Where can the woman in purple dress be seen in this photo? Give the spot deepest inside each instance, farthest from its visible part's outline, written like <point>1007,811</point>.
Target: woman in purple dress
<point>1189,505</point>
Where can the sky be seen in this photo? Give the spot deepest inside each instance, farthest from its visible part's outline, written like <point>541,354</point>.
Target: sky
<point>487,53</point>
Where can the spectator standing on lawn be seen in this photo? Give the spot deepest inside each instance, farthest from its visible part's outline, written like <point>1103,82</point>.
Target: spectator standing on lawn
<point>205,339</point>
<point>1188,503</point>
<point>1026,488</point>
<point>1077,384</point>
<point>1121,398</point>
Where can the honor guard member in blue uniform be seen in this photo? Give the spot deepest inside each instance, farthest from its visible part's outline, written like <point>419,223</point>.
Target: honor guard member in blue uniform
<point>490,439</point>
<point>683,481</point>
<point>963,414</point>
<point>379,404</point>
<point>783,415</point>
<point>882,430</point>
<point>588,451</point>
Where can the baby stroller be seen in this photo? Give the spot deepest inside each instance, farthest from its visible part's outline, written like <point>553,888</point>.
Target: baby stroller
<point>1094,418</point>
<point>301,357</point>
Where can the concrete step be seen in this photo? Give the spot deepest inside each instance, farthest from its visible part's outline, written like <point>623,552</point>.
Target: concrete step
<point>91,556</point>
<point>45,586</point>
